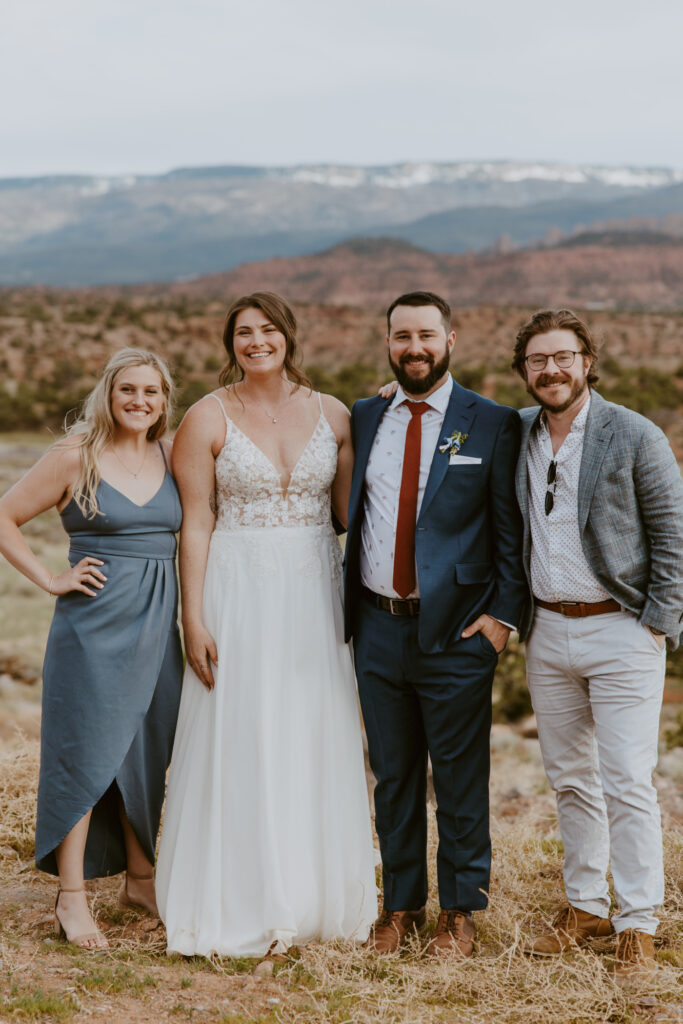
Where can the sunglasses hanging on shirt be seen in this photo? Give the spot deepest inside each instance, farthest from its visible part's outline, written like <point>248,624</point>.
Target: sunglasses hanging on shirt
<point>552,482</point>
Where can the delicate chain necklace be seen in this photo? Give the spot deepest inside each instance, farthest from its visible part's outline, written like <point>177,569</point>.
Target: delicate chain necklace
<point>270,415</point>
<point>144,457</point>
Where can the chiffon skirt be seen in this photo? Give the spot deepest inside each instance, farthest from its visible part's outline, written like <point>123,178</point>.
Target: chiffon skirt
<point>266,839</point>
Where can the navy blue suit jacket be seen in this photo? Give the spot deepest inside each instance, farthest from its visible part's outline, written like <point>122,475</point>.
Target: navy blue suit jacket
<point>468,539</point>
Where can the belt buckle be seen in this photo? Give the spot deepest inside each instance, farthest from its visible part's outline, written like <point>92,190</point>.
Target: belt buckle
<point>569,604</point>
<point>393,600</point>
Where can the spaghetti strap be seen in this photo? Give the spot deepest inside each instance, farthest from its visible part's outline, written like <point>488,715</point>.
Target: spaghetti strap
<point>163,455</point>
<point>320,403</point>
<point>227,418</point>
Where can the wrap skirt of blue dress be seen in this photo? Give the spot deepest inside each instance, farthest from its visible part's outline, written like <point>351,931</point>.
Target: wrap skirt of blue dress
<point>111,682</point>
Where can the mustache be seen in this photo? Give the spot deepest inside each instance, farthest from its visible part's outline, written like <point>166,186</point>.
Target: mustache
<point>555,378</point>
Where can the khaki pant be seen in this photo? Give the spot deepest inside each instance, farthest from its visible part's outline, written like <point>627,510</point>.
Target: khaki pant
<point>596,685</point>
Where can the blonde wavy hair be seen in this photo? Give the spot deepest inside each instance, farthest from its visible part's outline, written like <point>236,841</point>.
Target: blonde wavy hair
<point>94,428</point>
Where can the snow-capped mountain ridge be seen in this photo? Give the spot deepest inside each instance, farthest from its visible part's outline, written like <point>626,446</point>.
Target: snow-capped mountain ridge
<point>94,229</point>
<point>409,175</point>
<point>406,175</point>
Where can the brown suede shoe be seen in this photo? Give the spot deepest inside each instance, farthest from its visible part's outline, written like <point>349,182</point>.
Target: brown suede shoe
<point>570,927</point>
<point>635,959</point>
<point>454,936</point>
<point>392,928</point>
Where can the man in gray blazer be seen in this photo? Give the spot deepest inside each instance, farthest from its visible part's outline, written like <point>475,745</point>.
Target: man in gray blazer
<point>602,502</point>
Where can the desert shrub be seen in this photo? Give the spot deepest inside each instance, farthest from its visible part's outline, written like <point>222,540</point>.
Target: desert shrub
<point>511,700</point>
<point>18,411</point>
<point>610,366</point>
<point>122,313</point>
<point>88,314</point>
<point>57,395</point>
<point>43,402</point>
<point>212,364</point>
<point>674,737</point>
<point>511,391</point>
<point>643,389</point>
<point>471,377</point>
<point>189,393</point>
<point>674,666</point>
<point>348,383</point>
<point>33,311</point>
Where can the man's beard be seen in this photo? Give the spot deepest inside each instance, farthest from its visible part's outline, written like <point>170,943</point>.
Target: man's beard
<point>578,387</point>
<point>420,385</point>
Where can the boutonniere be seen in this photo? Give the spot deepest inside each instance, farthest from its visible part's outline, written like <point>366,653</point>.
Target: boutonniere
<point>454,443</point>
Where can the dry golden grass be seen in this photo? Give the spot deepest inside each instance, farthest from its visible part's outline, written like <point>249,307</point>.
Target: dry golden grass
<point>44,980</point>
<point>41,979</point>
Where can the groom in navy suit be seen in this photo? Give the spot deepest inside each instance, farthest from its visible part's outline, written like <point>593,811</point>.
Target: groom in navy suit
<point>434,583</point>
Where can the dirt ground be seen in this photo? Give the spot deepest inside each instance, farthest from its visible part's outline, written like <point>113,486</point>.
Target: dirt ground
<point>44,979</point>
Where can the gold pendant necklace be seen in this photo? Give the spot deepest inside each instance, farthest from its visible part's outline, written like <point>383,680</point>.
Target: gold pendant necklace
<point>262,407</point>
<point>134,475</point>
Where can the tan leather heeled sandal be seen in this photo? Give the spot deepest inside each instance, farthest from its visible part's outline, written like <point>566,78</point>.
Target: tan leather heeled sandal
<point>82,941</point>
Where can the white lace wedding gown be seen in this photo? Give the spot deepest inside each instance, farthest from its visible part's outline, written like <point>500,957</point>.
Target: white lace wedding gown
<point>266,837</point>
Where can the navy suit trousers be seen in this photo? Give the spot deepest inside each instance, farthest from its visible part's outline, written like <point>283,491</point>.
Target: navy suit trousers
<point>415,704</point>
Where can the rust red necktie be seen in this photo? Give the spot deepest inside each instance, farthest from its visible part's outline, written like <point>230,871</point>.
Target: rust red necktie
<point>404,553</point>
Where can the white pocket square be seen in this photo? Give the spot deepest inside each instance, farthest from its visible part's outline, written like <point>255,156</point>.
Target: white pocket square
<point>462,460</point>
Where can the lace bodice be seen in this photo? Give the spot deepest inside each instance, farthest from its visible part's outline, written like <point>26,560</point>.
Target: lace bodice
<point>249,490</point>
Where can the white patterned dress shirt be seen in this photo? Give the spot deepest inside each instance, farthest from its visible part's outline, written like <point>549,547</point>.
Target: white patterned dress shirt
<point>559,570</point>
<point>383,484</point>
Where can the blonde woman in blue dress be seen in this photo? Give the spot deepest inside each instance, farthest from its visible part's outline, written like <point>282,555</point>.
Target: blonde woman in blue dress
<point>266,840</point>
<point>113,662</point>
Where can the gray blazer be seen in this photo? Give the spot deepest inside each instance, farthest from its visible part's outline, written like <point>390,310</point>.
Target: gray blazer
<point>630,514</point>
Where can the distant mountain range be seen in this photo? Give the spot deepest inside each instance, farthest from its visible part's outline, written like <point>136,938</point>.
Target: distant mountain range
<point>368,273</point>
<point>82,231</point>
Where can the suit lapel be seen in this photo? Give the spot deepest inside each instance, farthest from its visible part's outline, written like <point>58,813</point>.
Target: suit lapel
<point>522,474</point>
<point>459,416</point>
<point>366,428</point>
<point>599,431</point>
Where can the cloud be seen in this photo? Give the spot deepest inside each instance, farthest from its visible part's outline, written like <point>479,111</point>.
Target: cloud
<point>126,86</point>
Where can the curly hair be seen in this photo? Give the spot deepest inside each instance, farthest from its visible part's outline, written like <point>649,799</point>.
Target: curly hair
<point>545,320</point>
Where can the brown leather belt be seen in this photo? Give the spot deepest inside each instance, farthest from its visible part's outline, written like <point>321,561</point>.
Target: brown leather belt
<point>579,609</point>
<point>393,605</point>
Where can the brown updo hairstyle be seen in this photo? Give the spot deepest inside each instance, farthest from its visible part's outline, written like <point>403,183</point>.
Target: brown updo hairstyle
<point>278,313</point>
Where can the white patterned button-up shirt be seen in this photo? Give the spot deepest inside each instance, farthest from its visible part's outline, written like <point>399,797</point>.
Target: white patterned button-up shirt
<point>383,484</point>
<point>559,570</point>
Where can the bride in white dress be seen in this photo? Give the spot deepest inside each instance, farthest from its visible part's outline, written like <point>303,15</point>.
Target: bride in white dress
<point>266,840</point>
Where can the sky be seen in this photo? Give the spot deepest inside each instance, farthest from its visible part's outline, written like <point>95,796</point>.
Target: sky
<point>140,86</point>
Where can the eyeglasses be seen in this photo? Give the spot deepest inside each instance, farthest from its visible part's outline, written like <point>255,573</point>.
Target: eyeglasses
<point>563,359</point>
<point>550,495</point>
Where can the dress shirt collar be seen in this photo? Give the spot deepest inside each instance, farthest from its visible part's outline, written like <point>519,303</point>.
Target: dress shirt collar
<point>438,399</point>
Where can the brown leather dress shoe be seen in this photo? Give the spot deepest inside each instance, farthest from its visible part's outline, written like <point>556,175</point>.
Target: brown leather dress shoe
<point>635,959</point>
<point>392,928</point>
<point>570,927</point>
<point>454,936</point>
